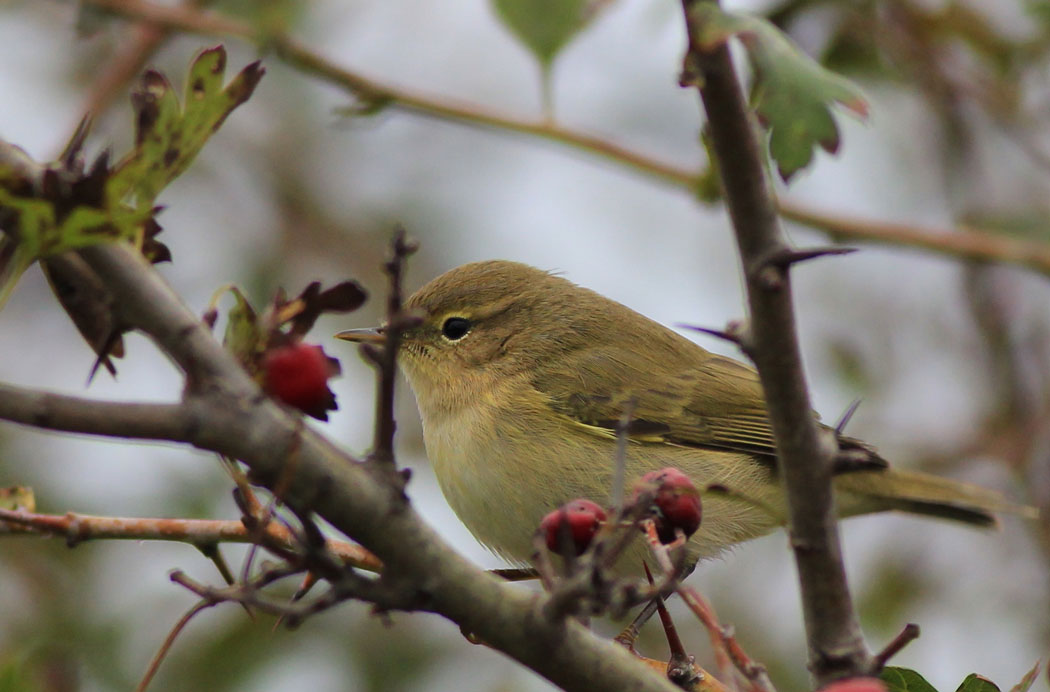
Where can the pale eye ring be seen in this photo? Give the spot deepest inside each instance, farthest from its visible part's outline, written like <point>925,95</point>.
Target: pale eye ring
<point>455,328</point>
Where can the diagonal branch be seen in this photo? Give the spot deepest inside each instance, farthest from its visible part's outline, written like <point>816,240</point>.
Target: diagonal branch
<point>960,243</point>
<point>836,647</point>
<point>224,411</point>
<point>245,425</point>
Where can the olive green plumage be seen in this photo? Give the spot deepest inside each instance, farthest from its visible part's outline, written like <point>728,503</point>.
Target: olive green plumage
<point>521,396</point>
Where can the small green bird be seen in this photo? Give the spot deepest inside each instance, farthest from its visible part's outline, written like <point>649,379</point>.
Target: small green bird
<point>521,378</point>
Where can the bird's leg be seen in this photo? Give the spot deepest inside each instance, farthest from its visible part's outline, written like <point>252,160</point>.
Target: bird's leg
<point>630,633</point>
<point>515,573</point>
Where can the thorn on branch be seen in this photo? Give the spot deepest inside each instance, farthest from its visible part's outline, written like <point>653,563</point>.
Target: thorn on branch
<point>787,257</point>
<point>840,427</point>
<point>770,271</point>
<point>909,634</point>
<point>736,332</point>
<point>70,157</point>
<point>691,75</point>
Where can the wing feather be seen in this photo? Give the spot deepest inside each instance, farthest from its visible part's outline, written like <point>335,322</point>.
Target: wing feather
<point>707,401</point>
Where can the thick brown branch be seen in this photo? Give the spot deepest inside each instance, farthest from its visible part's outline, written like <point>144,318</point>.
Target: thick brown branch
<point>114,419</point>
<point>835,643</point>
<point>245,425</point>
<point>225,412</point>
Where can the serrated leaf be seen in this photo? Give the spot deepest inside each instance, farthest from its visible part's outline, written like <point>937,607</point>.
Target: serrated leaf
<point>905,680</point>
<point>791,93</point>
<point>168,137</point>
<point>1026,682</point>
<point>977,683</point>
<point>70,209</point>
<point>544,26</point>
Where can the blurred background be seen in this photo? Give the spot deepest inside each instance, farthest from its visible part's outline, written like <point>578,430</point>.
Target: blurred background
<point>950,358</point>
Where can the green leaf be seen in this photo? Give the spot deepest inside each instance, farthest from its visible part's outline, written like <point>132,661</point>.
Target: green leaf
<point>544,26</point>
<point>791,93</point>
<point>1027,680</point>
<point>167,137</point>
<point>977,683</point>
<point>69,209</point>
<point>905,680</point>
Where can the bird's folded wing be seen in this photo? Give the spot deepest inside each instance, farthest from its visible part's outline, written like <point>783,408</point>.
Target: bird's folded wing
<point>708,401</point>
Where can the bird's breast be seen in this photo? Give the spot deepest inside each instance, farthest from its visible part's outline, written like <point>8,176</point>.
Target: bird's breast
<point>504,459</point>
<point>492,458</point>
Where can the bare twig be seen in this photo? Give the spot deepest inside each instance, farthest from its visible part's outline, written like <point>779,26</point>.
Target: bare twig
<point>623,432</point>
<point>909,634</point>
<point>836,647</point>
<point>396,322</point>
<point>235,419</point>
<point>212,552</point>
<point>199,532</point>
<point>674,642</point>
<point>727,648</point>
<point>143,39</point>
<point>962,242</point>
<point>165,647</point>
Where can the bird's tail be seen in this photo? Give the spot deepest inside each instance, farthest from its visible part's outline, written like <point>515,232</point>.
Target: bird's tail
<point>863,492</point>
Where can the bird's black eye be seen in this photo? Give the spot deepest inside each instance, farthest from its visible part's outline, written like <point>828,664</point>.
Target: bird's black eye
<point>455,328</point>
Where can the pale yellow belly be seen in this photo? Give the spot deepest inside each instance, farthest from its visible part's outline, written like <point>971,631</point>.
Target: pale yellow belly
<point>501,484</point>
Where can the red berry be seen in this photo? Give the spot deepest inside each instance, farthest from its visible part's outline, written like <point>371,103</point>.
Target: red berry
<point>856,685</point>
<point>676,501</point>
<point>297,374</point>
<point>583,519</point>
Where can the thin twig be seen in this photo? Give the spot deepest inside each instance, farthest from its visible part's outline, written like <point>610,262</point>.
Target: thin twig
<point>836,646</point>
<point>724,641</point>
<point>133,52</point>
<point>396,322</point>
<point>165,647</point>
<point>909,634</point>
<point>623,433</point>
<point>212,552</point>
<point>961,242</point>
<point>228,414</point>
<point>82,527</point>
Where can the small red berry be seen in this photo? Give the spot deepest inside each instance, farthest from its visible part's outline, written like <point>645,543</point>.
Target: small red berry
<point>297,374</point>
<point>583,519</point>
<point>856,685</point>
<point>676,501</point>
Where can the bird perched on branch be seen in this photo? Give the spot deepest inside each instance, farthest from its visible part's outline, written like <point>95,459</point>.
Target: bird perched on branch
<point>521,378</point>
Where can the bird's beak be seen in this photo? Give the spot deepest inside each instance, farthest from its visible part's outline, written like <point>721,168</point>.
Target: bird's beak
<point>373,335</point>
